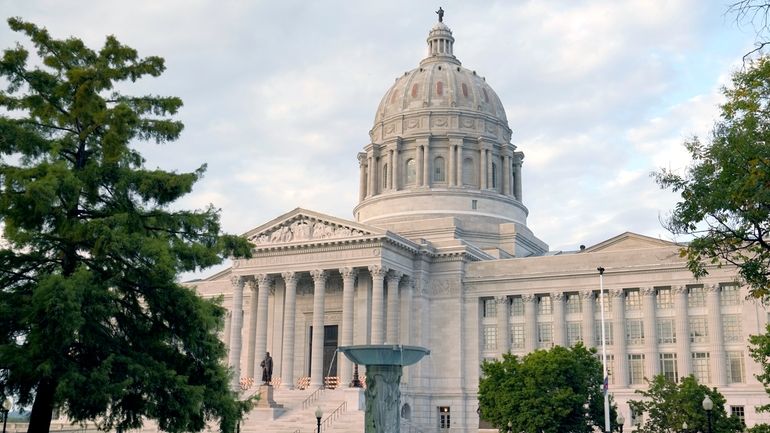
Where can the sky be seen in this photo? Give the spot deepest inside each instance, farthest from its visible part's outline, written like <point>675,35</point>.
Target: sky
<point>280,95</point>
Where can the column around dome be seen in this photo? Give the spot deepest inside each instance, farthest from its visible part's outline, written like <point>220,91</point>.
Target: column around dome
<point>506,174</point>
<point>518,158</point>
<point>426,163</point>
<point>361,176</point>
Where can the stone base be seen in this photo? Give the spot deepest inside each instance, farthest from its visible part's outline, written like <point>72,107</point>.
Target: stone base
<point>266,398</point>
<point>355,399</point>
<point>263,414</point>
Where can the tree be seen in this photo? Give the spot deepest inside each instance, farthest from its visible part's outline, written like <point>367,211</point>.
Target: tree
<point>667,405</point>
<point>753,13</point>
<point>725,192</point>
<point>544,391</point>
<point>92,320</point>
<point>759,349</point>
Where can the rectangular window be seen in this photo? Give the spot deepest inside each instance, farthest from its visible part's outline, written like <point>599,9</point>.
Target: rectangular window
<point>574,333</point>
<point>444,421</point>
<point>636,369</point>
<point>735,368</point>
<point>545,335</point>
<point>474,204</point>
<point>490,338</point>
<point>732,328</point>
<point>573,303</point>
<point>664,298</point>
<point>634,332</point>
<point>696,297</point>
<point>598,302</point>
<point>610,366</point>
<point>544,306</point>
<point>633,299</point>
<point>700,367</point>
<point>517,306</point>
<point>739,412</point>
<point>668,366</point>
<point>517,336</point>
<point>598,332</point>
<point>699,330</point>
<point>730,295</point>
<point>666,331</point>
<point>490,307</point>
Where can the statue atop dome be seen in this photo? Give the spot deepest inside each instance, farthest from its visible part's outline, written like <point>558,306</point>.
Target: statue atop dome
<point>440,13</point>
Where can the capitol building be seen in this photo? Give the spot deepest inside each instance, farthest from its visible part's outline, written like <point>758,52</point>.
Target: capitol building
<point>438,254</point>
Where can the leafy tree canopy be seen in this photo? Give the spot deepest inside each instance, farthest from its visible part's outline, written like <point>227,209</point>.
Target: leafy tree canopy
<point>725,193</point>
<point>544,391</point>
<point>92,320</point>
<point>759,349</point>
<point>667,405</point>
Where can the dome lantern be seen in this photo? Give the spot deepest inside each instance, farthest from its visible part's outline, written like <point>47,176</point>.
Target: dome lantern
<point>441,42</point>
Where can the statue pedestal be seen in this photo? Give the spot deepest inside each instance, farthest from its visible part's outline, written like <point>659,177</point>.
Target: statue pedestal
<point>266,398</point>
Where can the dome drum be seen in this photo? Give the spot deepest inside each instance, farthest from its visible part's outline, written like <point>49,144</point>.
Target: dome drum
<point>441,123</point>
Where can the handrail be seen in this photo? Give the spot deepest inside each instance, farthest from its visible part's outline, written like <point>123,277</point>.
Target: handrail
<point>334,415</point>
<point>312,397</point>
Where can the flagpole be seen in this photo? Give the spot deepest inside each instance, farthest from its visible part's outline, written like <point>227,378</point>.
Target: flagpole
<point>605,383</point>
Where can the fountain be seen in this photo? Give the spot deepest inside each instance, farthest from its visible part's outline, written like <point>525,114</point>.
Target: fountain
<point>384,365</point>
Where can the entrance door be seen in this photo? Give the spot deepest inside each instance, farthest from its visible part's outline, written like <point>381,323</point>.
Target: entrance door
<point>330,347</point>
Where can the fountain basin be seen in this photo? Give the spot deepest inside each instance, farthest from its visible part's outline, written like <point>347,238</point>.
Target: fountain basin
<point>384,354</point>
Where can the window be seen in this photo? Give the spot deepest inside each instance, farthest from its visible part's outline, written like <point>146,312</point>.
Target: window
<point>730,295</point>
<point>699,330</point>
<point>517,306</point>
<point>666,331</point>
<point>696,297</point>
<point>469,172</point>
<point>735,367</point>
<point>545,335</point>
<point>700,367</point>
<point>544,306</point>
<point>411,171</point>
<point>664,299</point>
<point>739,412</point>
<point>668,366</point>
<point>598,332</point>
<point>517,336</point>
<point>598,302</point>
<point>494,175</point>
<point>439,169</point>
<point>439,88</point>
<point>636,369</point>
<point>574,333</point>
<point>385,176</point>
<point>573,303</point>
<point>443,417</point>
<point>633,299</point>
<point>474,204</point>
<point>490,307</point>
<point>490,338</point>
<point>634,332</point>
<point>610,366</point>
<point>732,328</point>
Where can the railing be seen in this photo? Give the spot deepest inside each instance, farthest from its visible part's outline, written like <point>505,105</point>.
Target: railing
<point>334,415</point>
<point>312,397</point>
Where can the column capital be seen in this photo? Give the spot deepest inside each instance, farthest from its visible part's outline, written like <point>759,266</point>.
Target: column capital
<point>237,281</point>
<point>264,280</point>
<point>557,296</point>
<point>616,293</point>
<point>319,275</point>
<point>348,272</point>
<point>394,275</point>
<point>362,158</point>
<point>289,277</point>
<point>713,288</point>
<point>377,270</point>
<point>587,294</point>
<point>502,300</point>
<point>528,297</point>
<point>647,291</point>
<point>518,158</point>
<point>679,290</point>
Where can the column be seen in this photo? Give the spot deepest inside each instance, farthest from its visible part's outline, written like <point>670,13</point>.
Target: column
<point>361,176</point>
<point>459,166</point>
<point>557,301</point>
<point>252,331</point>
<point>228,322</point>
<point>260,343</point>
<point>345,366</point>
<point>682,331</point>
<point>317,347</point>
<point>289,314</point>
<point>391,165</point>
<point>451,166</point>
<point>619,337</point>
<point>717,355</point>
<point>530,323</point>
<point>235,331</point>
<point>426,164</point>
<point>378,301</point>
<point>503,324</point>
<point>394,277</point>
<point>517,160</point>
<point>483,167</point>
<point>370,167</point>
<point>420,165</point>
<point>506,175</point>
<point>587,298</point>
<point>396,169</point>
<point>652,366</point>
<point>407,301</point>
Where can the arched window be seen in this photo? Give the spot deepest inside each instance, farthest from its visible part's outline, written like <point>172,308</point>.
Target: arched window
<point>494,175</point>
<point>385,176</point>
<point>465,90</point>
<point>440,88</point>
<point>411,171</point>
<point>439,169</point>
<point>469,172</point>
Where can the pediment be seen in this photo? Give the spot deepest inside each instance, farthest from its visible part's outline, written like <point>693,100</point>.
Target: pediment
<point>629,241</point>
<point>302,226</point>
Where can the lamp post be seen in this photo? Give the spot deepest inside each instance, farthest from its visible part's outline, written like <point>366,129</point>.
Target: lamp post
<point>7,405</point>
<point>318,414</point>
<point>510,426</point>
<point>684,427</point>
<point>708,405</point>
<point>620,420</point>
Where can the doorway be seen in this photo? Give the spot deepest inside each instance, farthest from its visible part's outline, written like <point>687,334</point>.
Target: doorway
<point>330,347</point>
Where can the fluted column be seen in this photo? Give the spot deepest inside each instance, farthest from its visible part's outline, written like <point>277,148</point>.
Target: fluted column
<point>390,182</point>
<point>378,304</point>
<point>345,367</point>
<point>517,161</point>
<point>361,176</point>
<point>226,332</point>
<point>652,366</point>
<point>408,300</point>
<point>426,164</point>
<point>530,323</point>
<point>420,164</point>
<point>235,331</point>
<point>396,169</point>
<point>370,166</point>
<point>451,166</point>
<point>503,327</point>
<point>252,331</point>
<point>317,348</point>
<point>587,298</point>
<point>506,175</point>
<point>289,313</point>
<point>394,277</point>
<point>619,338</point>
<point>682,331</point>
<point>460,166</point>
<point>260,344</point>
<point>557,301</point>
<point>718,371</point>
<point>483,169</point>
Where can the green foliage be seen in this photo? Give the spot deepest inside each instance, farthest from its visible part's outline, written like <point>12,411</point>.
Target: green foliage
<point>92,320</point>
<point>550,391</point>
<point>667,405</point>
<point>725,193</point>
<point>759,428</point>
<point>759,349</point>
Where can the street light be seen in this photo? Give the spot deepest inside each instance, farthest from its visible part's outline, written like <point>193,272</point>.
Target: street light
<point>708,405</point>
<point>684,427</point>
<point>510,426</point>
<point>7,405</point>
<point>318,414</point>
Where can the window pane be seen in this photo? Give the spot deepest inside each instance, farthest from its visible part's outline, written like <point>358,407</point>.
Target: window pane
<point>574,333</point>
<point>634,332</point>
<point>700,367</point>
<point>545,335</point>
<point>544,306</point>
<point>517,306</point>
<point>517,336</point>
<point>699,332</point>
<point>411,171</point>
<point>668,366</point>
<point>438,169</point>
<point>490,338</point>
<point>666,331</point>
<point>664,299</point>
<point>636,369</point>
<point>696,297</point>
<point>573,303</point>
<point>730,295</point>
<point>490,307</point>
<point>735,367</point>
<point>732,328</point>
<point>598,332</point>
<point>633,299</point>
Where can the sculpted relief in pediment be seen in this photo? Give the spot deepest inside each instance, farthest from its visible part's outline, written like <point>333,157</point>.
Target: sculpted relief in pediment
<point>304,229</point>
